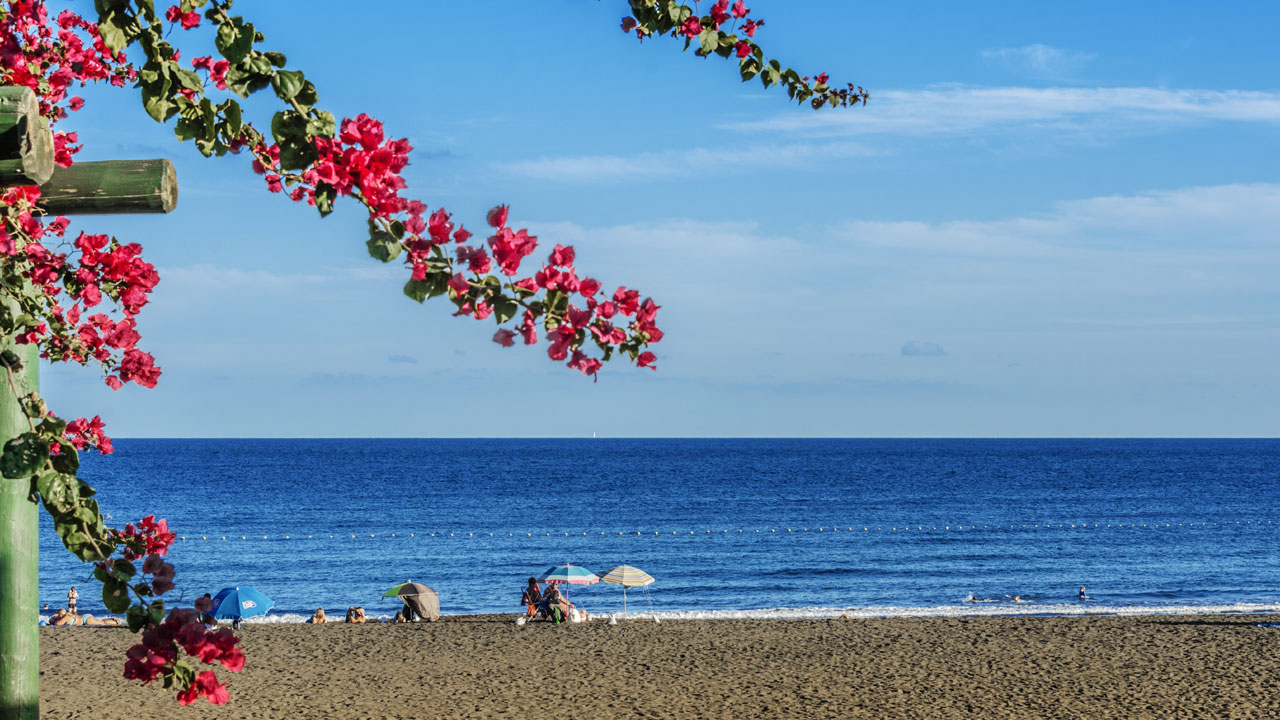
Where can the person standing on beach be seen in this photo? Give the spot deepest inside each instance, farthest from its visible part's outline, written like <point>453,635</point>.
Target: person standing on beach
<point>72,596</point>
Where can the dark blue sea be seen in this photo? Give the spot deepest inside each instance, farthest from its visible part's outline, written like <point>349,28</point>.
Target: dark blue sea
<point>729,528</point>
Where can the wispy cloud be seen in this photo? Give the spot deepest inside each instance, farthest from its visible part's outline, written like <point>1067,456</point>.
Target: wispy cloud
<point>913,348</point>
<point>1039,61</point>
<point>966,110</point>
<point>677,163</point>
<point>941,112</point>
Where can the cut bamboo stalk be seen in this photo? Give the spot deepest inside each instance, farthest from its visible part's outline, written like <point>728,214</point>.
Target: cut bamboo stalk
<point>112,187</point>
<point>26,145</point>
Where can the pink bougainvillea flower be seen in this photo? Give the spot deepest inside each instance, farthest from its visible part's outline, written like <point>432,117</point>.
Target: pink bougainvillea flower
<point>497,217</point>
<point>458,284</point>
<point>647,359</point>
<point>562,256</point>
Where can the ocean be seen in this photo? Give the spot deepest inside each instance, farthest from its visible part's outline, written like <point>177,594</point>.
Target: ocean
<point>729,528</point>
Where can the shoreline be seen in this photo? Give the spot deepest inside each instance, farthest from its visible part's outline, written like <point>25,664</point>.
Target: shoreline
<point>484,666</point>
<point>965,610</point>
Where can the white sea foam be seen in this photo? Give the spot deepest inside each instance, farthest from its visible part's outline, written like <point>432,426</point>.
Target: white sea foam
<point>886,611</point>
<point>963,610</point>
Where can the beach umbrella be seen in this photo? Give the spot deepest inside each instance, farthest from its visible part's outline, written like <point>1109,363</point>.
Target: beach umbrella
<point>406,589</point>
<point>571,574</point>
<point>238,603</point>
<point>424,601</point>
<point>627,577</point>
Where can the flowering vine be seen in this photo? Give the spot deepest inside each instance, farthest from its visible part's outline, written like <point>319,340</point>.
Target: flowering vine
<point>75,297</point>
<point>669,17</point>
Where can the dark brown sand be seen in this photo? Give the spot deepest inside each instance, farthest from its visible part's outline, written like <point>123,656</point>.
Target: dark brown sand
<point>486,667</point>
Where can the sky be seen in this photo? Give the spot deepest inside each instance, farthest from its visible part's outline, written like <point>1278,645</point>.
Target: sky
<point>1049,221</point>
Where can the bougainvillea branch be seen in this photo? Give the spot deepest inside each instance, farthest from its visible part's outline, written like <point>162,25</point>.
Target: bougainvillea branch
<point>77,300</point>
<point>310,157</point>
<point>711,37</point>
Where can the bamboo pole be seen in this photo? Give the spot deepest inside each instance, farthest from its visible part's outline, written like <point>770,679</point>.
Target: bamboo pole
<point>26,145</point>
<point>113,186</point>
<point>19,552</point>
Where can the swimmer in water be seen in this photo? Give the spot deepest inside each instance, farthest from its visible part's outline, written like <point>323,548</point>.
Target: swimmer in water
<point>1082,596</point>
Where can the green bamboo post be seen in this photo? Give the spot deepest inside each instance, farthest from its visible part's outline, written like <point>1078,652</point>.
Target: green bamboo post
<point>114,187</point>
<point>19,553</point>
<point>26,145</point>
<point>128,186</point>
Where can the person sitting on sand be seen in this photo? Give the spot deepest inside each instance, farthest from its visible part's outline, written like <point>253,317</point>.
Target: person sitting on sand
<point>531,598</point>
<point>318,618</point>
<point>204,605</point>
<point>355,614</point>
<point>557,605</point>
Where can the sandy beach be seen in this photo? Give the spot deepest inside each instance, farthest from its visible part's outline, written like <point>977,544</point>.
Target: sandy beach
<point>486,667</point>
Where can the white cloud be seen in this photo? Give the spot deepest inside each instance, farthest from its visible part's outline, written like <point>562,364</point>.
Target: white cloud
<point>966,110</point>
<point>1038,60</point>
<point>942,112</point>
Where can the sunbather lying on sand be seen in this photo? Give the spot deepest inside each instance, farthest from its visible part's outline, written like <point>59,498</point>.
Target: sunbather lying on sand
<point>62,617</point>
<point>108,621</point>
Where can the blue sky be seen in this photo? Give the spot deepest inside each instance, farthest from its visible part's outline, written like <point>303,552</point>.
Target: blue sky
<point>1049,221</point>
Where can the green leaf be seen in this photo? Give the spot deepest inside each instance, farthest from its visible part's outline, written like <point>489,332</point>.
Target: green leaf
<point>418,290</point>
<point>187,129</point>
<point>235,39</point>
<point>287,83</point>
<point>115,595</point>
<point>112,34</point>
<point>23,456</point>
<point>384,247</point>
<point>322,124</point>
<point>275,58</point>
<point>137,617</point>
<point>289,129</point>
<point>307,96</point>
<point>234,123</point>
<point>156,102</point>
<point>504,308</point>
<point>709,39</point>
<point>68,461</point>
<point>325,195</point>
<point>123,569</point>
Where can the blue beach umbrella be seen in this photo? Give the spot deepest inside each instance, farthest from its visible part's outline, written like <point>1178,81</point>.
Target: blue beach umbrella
<point>238,603</point>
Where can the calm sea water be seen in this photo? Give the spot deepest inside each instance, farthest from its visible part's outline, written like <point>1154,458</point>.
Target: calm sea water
<point>730,528</point>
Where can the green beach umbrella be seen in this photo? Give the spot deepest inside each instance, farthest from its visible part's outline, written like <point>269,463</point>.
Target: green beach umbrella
<point>628,577</point>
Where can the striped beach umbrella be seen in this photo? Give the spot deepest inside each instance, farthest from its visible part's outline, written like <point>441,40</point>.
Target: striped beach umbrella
<point>628,577</point>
